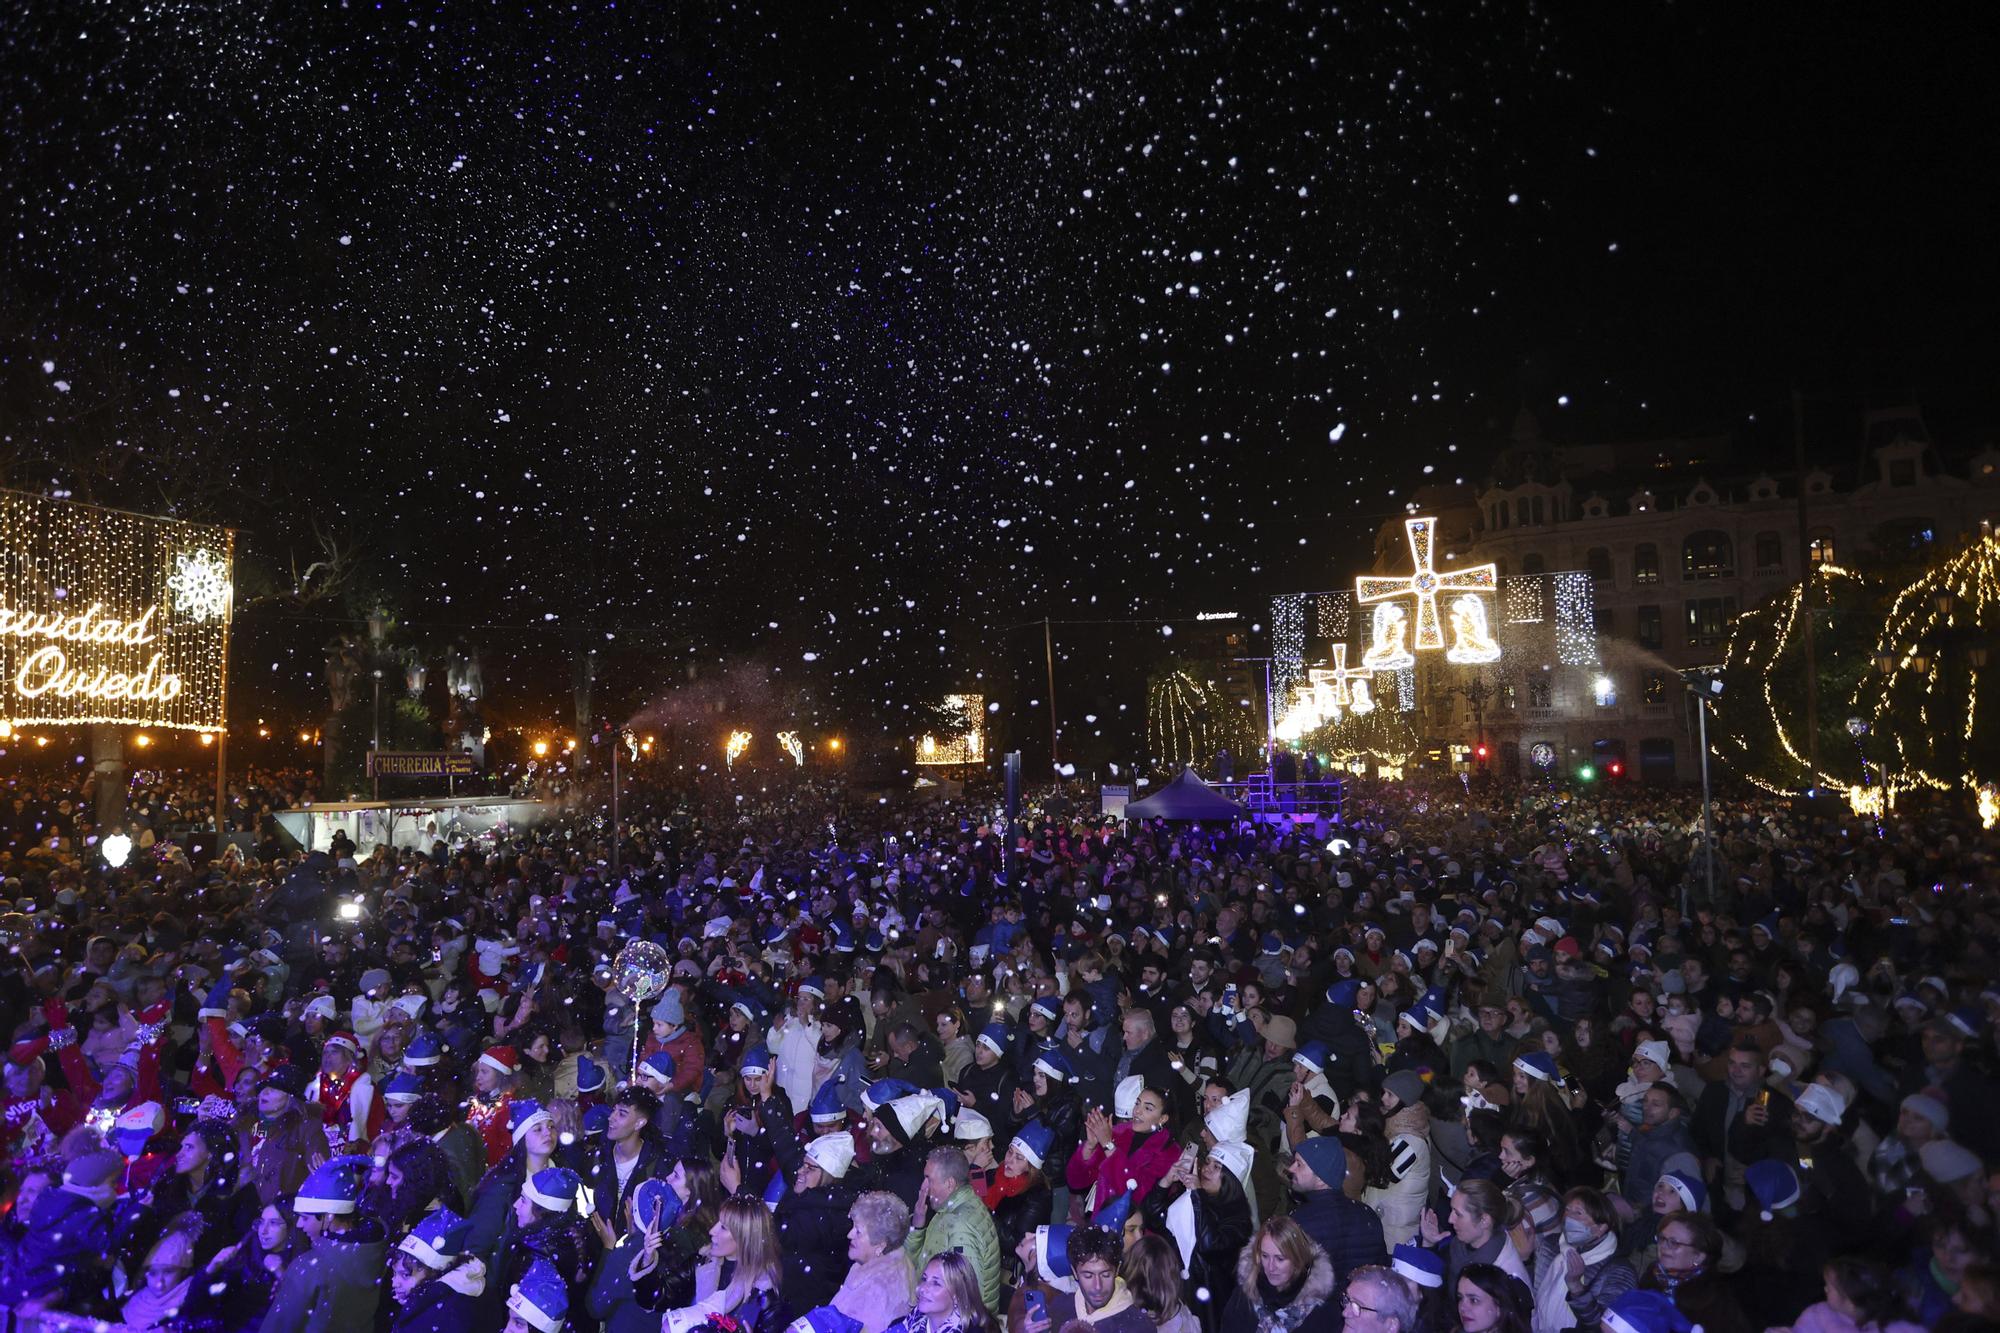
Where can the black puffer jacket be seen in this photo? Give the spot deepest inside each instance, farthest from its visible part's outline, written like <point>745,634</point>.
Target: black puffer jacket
<point>812,1235</point>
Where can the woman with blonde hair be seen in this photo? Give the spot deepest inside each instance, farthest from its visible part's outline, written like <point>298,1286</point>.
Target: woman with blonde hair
<point>1284,1284</point>
<point>739,1276</point>
<point>948,1300</point>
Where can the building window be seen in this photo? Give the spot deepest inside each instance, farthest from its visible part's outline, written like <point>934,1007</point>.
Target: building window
<point>1645,563</point>
<point>1708,555</point>
<point>1821,550</point>
<point>1539,510</point>
<point>1770,551</point>
<point>1521,510</point>
<point>1649,627</point>
<point>1601,620</point>
<point>1510,698</point>
<point>1538,690</point>
<point>1599,560</point>
<point>1903,472</point>
<point>1604,692</point>
<point>1654,688</point>
<point>1531,563</point>
<point>1709,619</point>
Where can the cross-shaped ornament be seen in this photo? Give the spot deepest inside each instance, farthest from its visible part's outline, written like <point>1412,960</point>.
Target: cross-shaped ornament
<point>1424,584</point>
<point>1330,688</point>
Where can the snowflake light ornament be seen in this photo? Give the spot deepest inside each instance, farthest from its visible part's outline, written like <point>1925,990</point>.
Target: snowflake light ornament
<point>200,585</point>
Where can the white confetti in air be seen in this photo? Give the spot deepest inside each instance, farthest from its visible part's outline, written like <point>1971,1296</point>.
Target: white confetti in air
<point>1337,432</point>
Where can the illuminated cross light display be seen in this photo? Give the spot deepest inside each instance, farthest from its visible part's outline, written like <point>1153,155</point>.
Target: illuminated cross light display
<point>1423,585</point>
<point>966,745</point>
<point>110,617</point>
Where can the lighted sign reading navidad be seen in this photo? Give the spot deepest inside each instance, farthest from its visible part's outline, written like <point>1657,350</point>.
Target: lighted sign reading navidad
<point>111,617</point>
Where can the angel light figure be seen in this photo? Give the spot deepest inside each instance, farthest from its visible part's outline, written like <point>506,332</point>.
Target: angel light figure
<point>1390,649</point>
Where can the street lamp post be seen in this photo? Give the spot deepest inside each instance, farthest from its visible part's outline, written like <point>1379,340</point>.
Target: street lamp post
<point>375,768</point>
<point>1701,685</point>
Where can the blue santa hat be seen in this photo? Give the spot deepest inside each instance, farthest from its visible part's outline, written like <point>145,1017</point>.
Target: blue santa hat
<point>553,1188</point>
<point>1052,1256</point>
<point>826,1108</point>
<point>1112,1216</point>
<point>1056,1066</point>
<point>589,1075</point>
<point>775,1191</point>
<point>423,1051</point>
<point>658,1066</point>
<point>1034,1140</point>
<point>216,1005</point>
<point>1314,1055</point>
<point>1646,1312</point>
<point>1774,1183</point>
<point>883,1091</point>
<point>1537,1065</point>
<point>1419,1265</point>
<point>814,986</point>
<point>596,1119</point>
<point>756,1060</point>
<point>541,1297</point>
<point>1048,1006</point>
<point>1693,1193</point>
<point>994,1038</point>
<point>335,1187</point>
<point>403,1088</point>
<point>1342,994</point>
<point>438,1240</point>
<point>523,1116</point>
<point>655,1198</point>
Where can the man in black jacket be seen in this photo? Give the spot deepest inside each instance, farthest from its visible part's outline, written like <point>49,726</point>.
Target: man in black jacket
<point>626,1157</point>
<point>1739,1121</point>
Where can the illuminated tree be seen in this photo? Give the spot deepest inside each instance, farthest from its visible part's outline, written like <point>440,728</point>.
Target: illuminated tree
<point>1189,716</point>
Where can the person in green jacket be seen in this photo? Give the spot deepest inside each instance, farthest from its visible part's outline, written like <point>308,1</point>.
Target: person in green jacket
<point>949,1216</point>
<point>337,1284</point>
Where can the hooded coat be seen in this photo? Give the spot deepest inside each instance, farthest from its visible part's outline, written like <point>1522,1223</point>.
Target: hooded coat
<point>1315,1308</point>
<point>446,1303</point>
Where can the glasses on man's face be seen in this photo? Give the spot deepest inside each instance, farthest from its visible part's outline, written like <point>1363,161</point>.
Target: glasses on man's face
<point>1356,1307</point>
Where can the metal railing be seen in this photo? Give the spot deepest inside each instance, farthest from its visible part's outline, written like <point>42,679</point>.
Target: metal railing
<point>1260,795</point>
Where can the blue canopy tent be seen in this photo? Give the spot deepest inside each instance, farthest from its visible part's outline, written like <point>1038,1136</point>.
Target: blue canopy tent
<point>1186,797</point>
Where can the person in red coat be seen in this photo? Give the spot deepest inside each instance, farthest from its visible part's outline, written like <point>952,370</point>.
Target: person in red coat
<point>1117,1158</point>
<point>32,1114</point>
<point>494,1079</point>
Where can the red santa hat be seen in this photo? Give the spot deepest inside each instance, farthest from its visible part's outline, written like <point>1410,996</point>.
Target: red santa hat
<point>502,1060</point>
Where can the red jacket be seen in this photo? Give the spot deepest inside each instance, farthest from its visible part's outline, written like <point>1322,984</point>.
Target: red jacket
<point>1113,1172</point>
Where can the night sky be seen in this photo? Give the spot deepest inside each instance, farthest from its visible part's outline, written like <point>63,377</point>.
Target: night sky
<point>841,342</point>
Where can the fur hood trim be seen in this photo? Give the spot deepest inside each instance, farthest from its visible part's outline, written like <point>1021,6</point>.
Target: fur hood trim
<point>1317,1291</point>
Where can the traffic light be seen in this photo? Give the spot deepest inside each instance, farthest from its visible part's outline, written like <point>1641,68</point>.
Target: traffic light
<point>1481,753</point>
<point>1586,773</point>
<point>1617,769</point>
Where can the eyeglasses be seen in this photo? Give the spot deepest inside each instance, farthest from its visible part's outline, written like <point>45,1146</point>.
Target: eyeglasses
<point>1351,1304</point>
<point>1669,1243</point>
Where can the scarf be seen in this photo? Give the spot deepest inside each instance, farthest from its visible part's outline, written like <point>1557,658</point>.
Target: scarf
<point>146,1309</point>
<point>1279,1307</point>
<point>1005,1187</point>
<point>1120,1302</point>
<point>923,1323</point>
<point>1670,1283</point>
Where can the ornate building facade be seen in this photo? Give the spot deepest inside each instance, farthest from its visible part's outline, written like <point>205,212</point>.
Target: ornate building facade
<point>1677,537</point>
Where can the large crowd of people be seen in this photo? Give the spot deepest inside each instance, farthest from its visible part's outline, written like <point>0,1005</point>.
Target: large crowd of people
<point>1482,1057</point>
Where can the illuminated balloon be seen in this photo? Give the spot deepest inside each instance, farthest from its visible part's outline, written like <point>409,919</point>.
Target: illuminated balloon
<point>641,970</point>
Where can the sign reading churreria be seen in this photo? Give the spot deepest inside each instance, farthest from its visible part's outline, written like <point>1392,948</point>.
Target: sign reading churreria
<point>111,617</point>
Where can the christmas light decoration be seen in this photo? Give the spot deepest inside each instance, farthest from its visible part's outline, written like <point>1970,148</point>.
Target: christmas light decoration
<point>1989,805</point>
<point>1423,584</point>
<point>1523,597</point>
<point>1935,639</point>
<point>790,743</point>
<point>111,617</point>
<point>733,748</point>
<point>966,744</point>
<point>200,583</point>
<point>1865,801</point>
<point>1576,618</point>
<point>1471,641</point>
<point>1388,642</point>
<point>1288,642</point>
